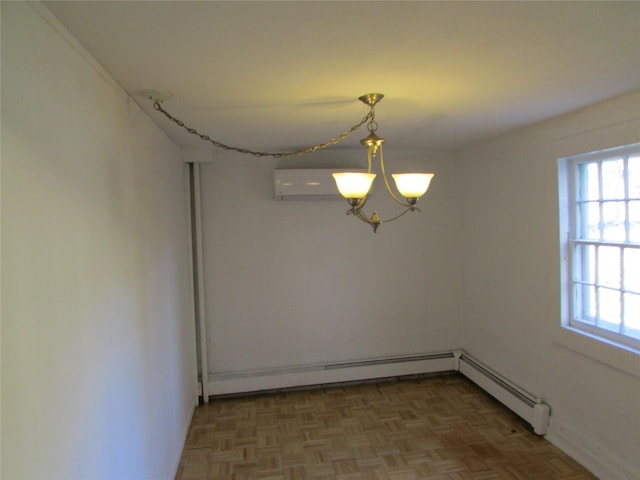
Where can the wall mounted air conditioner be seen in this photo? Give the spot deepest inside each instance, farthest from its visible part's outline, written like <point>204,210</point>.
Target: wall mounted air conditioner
<point>306,184</point>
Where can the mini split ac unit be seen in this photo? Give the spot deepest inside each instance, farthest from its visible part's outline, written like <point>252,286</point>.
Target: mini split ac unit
<point>305,184</point>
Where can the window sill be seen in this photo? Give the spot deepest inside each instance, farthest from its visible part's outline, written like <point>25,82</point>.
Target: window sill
<point>619,357</point>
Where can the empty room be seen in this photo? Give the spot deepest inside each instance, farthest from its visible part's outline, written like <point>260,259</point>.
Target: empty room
<point>321,240</point>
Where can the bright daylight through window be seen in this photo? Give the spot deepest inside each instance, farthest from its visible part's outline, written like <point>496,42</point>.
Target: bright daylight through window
<point>600,213</point>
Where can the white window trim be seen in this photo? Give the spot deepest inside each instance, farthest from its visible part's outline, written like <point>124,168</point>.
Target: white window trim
<point>620,356</point>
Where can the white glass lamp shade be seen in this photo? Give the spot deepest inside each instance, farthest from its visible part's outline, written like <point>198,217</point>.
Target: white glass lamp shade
<point>354,184</point>
<point>412,185</point>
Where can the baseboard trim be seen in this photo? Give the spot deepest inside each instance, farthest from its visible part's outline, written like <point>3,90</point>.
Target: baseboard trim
<point>596,458</point>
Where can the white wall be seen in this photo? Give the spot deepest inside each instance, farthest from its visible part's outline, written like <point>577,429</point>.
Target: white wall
<point>293,283</point>
<point>97,337</point>
<point>511,285</point>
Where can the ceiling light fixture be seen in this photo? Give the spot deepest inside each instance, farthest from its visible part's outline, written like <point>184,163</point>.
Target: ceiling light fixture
<point>354,186</point>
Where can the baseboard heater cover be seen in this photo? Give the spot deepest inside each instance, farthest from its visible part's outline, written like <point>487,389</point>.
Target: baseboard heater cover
<point>521,402</point>
<point>389,360</point>
<point>518,400</point>
<point>246,381</point>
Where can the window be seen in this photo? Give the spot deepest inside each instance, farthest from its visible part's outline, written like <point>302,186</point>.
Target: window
<point>602,247</point>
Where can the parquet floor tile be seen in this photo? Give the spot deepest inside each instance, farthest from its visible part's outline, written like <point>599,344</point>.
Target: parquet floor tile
<point>434,428</point>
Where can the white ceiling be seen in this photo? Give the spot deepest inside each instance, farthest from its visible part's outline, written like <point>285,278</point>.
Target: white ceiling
<point>283,75</point>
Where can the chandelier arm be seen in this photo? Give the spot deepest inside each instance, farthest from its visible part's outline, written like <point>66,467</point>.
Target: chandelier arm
<point>408,209</point>
<point>362,216</point>
<point>361,202</point>
<point>386,183</point>
<point>359,214</point>
<point>158,107</point>
<point>375,221</point>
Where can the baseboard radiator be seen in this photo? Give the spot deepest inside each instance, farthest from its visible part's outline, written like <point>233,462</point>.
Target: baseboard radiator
<point>521,402</point>
<point>301,376</point>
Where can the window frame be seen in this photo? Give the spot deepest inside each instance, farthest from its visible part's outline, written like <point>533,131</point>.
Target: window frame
<point>571,244</point>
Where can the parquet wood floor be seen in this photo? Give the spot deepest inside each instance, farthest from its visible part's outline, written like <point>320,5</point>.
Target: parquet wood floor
<point>434,428</point>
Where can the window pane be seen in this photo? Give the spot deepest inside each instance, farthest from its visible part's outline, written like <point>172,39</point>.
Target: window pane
<point>632,313</point>
<point>589,221</point>
<point>609,309</point>
<point>588,181</point>
<point>634,221</point>
<point>591,259</point>
<point>585,264</point>
<point>632,269</point>
<point>584,303</point>
<point>634,177</point>
<point>609,266</point>
<point>613,179</point>
<point>613,221</point>
<point>591,307</point>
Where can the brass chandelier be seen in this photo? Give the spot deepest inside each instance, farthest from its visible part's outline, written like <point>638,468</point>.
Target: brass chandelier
<point>353,186</point>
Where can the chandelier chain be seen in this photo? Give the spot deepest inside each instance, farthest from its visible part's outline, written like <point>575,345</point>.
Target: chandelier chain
<point>370,116</point>
<point>372,125</point>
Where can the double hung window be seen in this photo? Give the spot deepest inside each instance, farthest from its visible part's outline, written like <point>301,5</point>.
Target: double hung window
<point>603,244</point>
